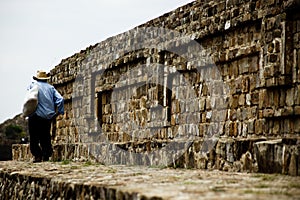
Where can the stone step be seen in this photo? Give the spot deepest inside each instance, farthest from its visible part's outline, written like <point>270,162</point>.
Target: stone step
<point>278,156</point>
<point>88,180</point>
<point>227,154</point>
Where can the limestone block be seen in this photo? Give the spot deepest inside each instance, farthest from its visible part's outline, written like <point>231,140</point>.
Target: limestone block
<point>278,156</point>
<point>263,98</point>
<point>242,100</point>
<point>251,125</point>
<point>269,156</point>
<point>233,101</point>
<point>259,126</point>
<point>290,97</point>
<point>254,98</point>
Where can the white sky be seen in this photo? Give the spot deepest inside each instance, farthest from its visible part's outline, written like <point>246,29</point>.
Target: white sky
<point>38,34</point>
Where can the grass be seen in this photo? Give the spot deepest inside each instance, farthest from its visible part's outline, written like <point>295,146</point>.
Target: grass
<point>65,162</point>
<point>218,189</point>
<point>261,186</point>
<point>294,185</point>
<point>265,177</point>
<point>88,163</point>
<point>262,189</point>
<point>190,183</point>
<point>111,171</point>
<point>250,191</point>
<point>74,167</point>
<point>158,167</point>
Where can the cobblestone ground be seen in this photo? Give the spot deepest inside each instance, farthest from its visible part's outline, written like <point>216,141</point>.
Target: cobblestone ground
<point>162,182</point>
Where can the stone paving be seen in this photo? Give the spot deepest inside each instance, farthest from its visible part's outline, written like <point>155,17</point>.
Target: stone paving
<point>160,182</point>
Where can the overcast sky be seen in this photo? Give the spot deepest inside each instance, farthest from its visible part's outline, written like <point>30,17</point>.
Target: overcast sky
<point>38,34</point>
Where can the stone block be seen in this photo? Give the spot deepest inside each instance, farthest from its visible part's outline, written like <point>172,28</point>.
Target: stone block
<point>268,113</point>
<point>242,100</point>
<point>263,98</point>
<point>243,65</point>
<point>290,93</point>
<point>297,95</point>
<point>255,98</point>
<point>294,164</point>
<point>269,156</point>
<point>259,126</point>
<point>248,99</point>
<point>233,101</point>
<point>278,156</point>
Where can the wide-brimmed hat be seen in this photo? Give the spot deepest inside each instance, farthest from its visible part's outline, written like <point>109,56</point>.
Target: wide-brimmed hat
<point>41,75</point>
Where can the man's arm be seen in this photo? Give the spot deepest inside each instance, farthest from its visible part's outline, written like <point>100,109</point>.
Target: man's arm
<point>59,102</point>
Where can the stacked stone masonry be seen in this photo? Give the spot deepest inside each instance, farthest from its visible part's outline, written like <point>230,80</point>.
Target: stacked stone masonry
<point>75,180</point>
<point>224,73</point>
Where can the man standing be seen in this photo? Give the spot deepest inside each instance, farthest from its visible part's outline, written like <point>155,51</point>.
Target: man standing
<point>39,122</point>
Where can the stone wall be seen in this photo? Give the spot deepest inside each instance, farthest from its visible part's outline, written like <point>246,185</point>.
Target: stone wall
<point>87,180</point>
<point>44,186</point>
<point>219,78</point>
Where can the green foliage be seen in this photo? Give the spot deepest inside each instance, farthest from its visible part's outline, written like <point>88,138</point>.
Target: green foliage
<point>111,171</point>
<point>88,163</point>
<point>65,162</point>
<point>14,132</point>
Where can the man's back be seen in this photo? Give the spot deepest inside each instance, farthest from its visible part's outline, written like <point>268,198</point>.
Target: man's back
<point>48,99</point>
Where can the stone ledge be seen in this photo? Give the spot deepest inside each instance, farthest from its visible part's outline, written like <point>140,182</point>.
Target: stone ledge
<point>278,156</point>
<point>70,180</point>
<point>226,154</point>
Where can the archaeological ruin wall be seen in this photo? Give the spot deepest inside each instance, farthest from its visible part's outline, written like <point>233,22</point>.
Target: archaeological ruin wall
<point>222,75</point>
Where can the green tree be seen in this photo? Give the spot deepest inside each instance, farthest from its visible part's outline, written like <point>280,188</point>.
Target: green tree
<point>14,132</point>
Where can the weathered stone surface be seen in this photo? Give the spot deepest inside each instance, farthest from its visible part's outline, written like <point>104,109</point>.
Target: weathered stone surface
<point>73,180</point>
<point>239,155</point>
<point>253,61</point>
<point>269,156</point>
<point>278,156</point>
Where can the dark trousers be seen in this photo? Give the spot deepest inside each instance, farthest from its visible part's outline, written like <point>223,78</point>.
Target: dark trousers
<point>40,138</point>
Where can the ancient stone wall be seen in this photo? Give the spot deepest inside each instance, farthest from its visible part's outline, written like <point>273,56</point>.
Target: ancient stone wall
<point>62,77</point>
<point>226,72</point>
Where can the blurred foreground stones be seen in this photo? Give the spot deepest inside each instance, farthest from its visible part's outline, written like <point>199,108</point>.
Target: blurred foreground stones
<point>86,180</point>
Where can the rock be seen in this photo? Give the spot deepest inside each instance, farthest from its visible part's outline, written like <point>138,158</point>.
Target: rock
<point>247,162</point>
<point>269,156</point>
<point>278,156</point>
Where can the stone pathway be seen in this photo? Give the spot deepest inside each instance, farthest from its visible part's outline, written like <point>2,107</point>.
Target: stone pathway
<point>160,183</point>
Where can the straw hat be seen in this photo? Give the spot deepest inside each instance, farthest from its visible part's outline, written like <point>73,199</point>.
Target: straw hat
<point>41,75</point>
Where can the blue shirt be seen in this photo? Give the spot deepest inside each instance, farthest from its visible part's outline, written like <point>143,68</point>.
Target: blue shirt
<point>48,100</point>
